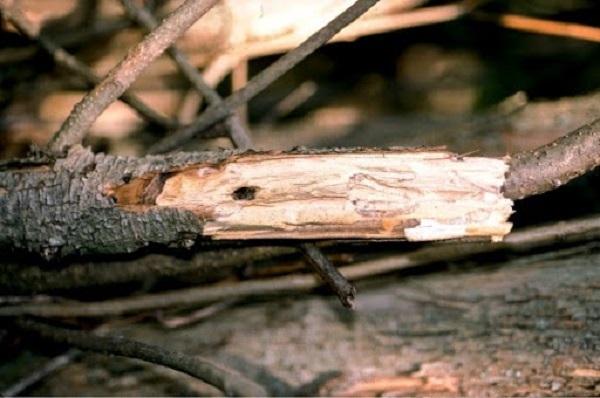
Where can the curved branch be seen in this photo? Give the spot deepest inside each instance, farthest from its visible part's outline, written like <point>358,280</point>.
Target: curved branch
<point>123,75</point>
<point>553,165</point>
<point>227,380</point>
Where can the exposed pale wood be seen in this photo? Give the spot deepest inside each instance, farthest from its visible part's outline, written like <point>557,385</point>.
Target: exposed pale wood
<point>415,195</point>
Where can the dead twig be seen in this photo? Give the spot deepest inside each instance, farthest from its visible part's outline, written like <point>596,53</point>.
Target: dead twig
<point>535,237</point>
<point>239,135</point>
<point>330,274</point>
<point>97,30</point>
<point>216,113</point>
<point>229,381</point>
<point>15,15</point>
<point>83,115</point>
<point>47,369</point>
<point>552,165</point>
<point>174,322</point>
<point>543,26</point>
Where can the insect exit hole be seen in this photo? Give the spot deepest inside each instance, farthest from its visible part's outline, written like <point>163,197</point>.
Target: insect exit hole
<point>244,193</point>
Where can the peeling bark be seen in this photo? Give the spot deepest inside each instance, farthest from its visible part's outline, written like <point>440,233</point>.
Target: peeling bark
<point>90,203</point>
<point>59,209</point>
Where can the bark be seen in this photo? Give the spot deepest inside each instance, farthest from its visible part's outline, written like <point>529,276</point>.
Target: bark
<point>102,204</point>
<point>553,165</point>
<point>57,209</point>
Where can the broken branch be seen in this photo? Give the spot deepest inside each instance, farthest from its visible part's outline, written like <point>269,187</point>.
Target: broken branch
<point>89,203</point>
<point>330,274</point>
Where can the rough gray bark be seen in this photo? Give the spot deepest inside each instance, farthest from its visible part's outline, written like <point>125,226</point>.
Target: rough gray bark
<point>555,164</point>
<point>59,208</point>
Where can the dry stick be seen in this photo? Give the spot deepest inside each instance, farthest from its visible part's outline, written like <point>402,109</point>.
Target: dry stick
<point>98,29</point>
<point>330,274</point>
<point>239,135</point>
<point>216,113</point>
<point>527,239</point>
<point>227,380</point>
<point>48,368</point>
<point>72,64</point>
<point>552,165</point>
<point>542,26</point>
<point>123,75</point>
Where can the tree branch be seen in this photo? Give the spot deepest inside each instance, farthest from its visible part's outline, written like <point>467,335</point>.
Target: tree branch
<point>227,380</point>
<point>123,75</point>
<point>103,204</point>
<point>553,165</point>
<point>11,11</point>
<point>216,113</point>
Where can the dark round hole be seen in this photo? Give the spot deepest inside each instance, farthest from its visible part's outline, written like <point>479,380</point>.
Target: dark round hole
<point>244,193</point>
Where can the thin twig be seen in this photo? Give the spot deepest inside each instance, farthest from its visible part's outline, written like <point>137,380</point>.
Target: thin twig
<point>295,99</point>
<point>239,135</point>
<point>527,239</point>
<point>552,165</point>
<point>72,64</point>
<point>123,75</point>
<point>216,113</point>
<point>330,274</point>
<point>174,322</point>
<point>229,381</point>
<point>47,369</point>
<point>75,36</point>
<point>543,26</point>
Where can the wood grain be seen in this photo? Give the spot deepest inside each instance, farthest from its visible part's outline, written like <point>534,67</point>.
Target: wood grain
<point>414,195</point>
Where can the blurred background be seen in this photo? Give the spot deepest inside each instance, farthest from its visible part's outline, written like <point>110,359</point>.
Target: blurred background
<point>487,78</point>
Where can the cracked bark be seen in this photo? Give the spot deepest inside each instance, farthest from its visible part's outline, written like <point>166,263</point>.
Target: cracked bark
<point>58,208</point>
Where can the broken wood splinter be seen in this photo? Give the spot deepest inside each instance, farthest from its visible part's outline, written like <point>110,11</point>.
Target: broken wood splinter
<point>417,195</point>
